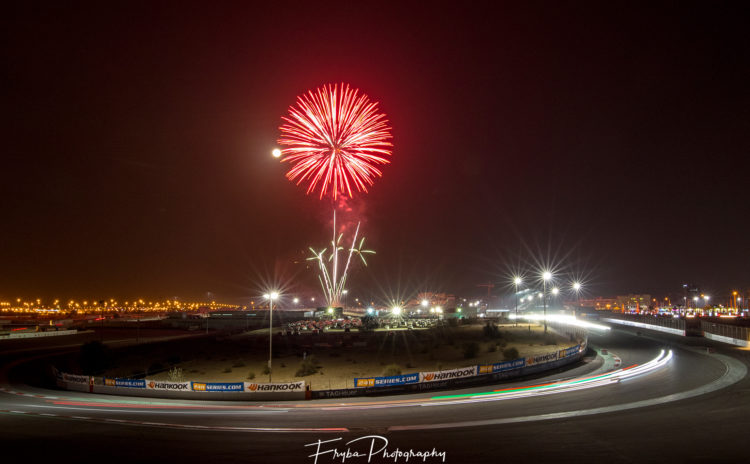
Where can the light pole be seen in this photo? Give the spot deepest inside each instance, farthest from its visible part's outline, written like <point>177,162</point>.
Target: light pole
<point>270,297</point>
<point>517,281</point>
<point>545,277</point>
<point>577,289</point>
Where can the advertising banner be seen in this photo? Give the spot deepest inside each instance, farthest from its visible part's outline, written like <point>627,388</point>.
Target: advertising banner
<point>274,387</point>
<point>501,366</point>
<point>218,387</point>
<point>570,351</point>
<point>169,386</point>
<point>72,378</point>
<point>364,382</point>
<point>130,383</point>
<point>541,358</point>
<point>387,381</point>
<point>449,374</point>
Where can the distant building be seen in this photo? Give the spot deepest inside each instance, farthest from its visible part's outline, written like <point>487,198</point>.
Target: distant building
<point>634,302</point>
<point>599,303</point>
<point>434,300</point>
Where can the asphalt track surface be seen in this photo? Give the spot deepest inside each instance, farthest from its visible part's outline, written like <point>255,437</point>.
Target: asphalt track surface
<point>693,408</point>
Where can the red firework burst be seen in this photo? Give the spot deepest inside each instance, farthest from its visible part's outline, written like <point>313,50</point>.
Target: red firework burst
<point>335,138</point>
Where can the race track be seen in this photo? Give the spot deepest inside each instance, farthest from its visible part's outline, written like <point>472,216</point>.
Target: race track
<point>691,407</point>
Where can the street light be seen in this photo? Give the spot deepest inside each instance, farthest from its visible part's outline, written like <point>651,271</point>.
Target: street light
<point>546,275</point>
<point>577,288</point>
<point>517,281</point>
<point>270,297</point>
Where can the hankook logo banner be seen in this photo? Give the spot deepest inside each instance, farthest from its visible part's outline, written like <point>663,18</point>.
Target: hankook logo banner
<point>274,387</point>
<point>541,358</point>
<point>447,375</point>
<point>75,378</point>
<point>169,386</point>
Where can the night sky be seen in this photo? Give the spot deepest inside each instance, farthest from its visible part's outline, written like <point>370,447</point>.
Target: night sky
<point>607,140</point>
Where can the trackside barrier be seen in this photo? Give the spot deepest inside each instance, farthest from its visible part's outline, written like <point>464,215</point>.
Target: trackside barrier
<point>52,333</point>
<point>725,333</point>
<point>465,376</point>
<point>418,381</point>
<point>186,389</point>
<point>672,326</point>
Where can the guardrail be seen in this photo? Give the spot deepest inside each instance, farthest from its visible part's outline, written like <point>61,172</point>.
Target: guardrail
<point>661,324</point>
<point>51,333</point>
<point>184,389</point>
<point>725,333</point>
<point>461,377</point>
<point>249,391</point>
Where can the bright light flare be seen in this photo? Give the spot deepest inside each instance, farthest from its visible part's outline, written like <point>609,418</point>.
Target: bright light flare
<point>276,153</point>
<point>563,319</point>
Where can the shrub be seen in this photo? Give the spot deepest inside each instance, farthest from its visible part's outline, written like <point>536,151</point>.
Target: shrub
<point>391,369</point>
<point>510,353</point>
<point>491,331</point>
<point>308,366</point>
<point>471,349</point>
<point>251,375</point>
<point>492,348</point>
<point>266,370</point>
<point>239,363</point>
<point>227,370</point>
<point>175,375</point>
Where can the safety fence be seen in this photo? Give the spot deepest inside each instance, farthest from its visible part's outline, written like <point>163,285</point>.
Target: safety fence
<point>51,333</point>
<point>726,333</point>
<point>661,324</point>
<point>248,391</point>
<point>184,389</point>
<point>463,376</point>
